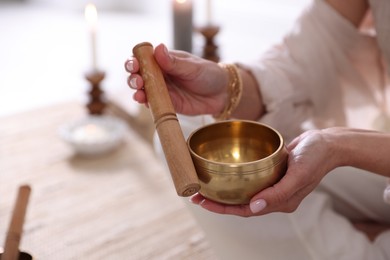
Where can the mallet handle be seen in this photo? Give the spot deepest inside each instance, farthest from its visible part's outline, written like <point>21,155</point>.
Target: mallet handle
<point>15,229</point>
<point>167,125</point>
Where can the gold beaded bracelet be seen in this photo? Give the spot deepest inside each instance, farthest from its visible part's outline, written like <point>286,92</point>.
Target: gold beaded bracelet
<point>235,91</point>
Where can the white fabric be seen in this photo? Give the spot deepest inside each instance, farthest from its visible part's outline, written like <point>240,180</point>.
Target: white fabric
<point>315,231</point>
<point>319,61</point>
<point>357,194</point>
<point>323,68</point>
<point>381,11</point>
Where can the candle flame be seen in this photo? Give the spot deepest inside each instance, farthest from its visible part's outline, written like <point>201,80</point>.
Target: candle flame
<point>91,13</point>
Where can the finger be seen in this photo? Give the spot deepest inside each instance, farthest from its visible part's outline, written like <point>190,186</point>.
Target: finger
<point>135,81</point>
<point>299,139</point>
<point>237,210</point>
<point>291,146</point>
<point>288,206</point>
<point>197,198</point>
<point>163,57</point>
<point>293,143</point>
<point>174,62</point>
<point>279,195</point>
<point>132,65</point>
<point>140,97</point>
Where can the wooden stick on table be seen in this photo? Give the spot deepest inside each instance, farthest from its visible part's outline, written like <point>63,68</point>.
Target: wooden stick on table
<point>15,229</point>
<point>167,125</point>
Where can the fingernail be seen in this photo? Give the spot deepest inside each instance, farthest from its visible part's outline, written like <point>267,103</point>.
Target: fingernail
<point>167,52</point>
<point>257,205</point>
<point>130,65</point>
<point>133,83</point>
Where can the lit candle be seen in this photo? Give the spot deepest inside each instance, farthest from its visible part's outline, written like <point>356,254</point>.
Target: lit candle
<point>182,25</point>
<point>91,17</point>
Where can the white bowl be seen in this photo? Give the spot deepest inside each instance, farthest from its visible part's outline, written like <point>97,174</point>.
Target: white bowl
<point>94,135</point>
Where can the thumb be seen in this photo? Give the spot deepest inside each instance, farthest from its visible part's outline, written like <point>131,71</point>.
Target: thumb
<point>173,62</point>
<point>163,58</point>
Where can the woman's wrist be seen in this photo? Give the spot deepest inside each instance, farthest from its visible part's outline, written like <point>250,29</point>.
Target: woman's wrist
<point>337,145</point>
<point>234,91</point>
<point>360,148</point>
<point>251,105</point>
<point>242,96</point>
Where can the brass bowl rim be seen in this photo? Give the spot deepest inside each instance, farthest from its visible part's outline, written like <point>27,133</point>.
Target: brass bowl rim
<point>235,165</point>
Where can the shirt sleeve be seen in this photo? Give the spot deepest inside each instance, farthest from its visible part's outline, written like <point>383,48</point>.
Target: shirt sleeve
<point>302,78</point>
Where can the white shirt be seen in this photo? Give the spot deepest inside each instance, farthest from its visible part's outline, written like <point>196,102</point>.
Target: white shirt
<point>324,67</point>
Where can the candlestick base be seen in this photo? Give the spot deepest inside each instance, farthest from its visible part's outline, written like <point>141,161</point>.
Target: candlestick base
<point>210,49</point>
<point>96,103</point>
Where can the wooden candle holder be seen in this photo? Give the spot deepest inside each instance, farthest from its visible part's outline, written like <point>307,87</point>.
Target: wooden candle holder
<point>167,125</point>
<point>96,103</point>
<point>210,49</point>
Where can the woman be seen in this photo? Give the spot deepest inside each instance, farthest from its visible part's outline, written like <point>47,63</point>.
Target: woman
<point>306,83</point>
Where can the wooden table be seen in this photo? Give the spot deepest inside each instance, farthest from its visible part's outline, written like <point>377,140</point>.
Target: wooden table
<point>119,206</point>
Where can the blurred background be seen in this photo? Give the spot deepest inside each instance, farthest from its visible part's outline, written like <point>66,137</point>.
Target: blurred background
<point>45,47</point>
<point>104,207</point>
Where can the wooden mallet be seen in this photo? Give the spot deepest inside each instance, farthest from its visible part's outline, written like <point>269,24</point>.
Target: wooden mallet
<point>167,125</point>
<point>15,229</point>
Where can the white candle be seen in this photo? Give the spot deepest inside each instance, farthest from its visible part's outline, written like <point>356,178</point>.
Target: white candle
<point>91,17</point>
<point>182,25</point>
<point>208,12</point>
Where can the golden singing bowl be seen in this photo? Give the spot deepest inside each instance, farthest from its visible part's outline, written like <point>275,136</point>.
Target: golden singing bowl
<point>236,159</point>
